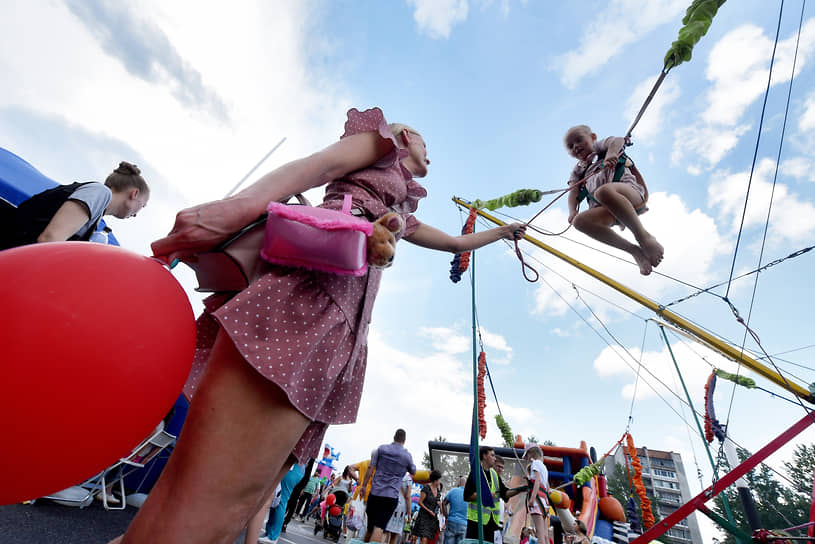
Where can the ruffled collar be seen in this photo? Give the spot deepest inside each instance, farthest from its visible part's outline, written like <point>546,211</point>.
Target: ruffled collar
<point>415,192</point>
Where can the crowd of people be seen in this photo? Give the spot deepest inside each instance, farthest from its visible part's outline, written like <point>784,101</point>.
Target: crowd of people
<point>389,507</point>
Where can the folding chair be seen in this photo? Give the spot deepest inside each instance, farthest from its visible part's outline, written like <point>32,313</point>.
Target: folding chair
<point>142,454</point>
<point>73,496</point>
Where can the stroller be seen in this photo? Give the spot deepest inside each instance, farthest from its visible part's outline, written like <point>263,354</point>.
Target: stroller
<point>331,522</point>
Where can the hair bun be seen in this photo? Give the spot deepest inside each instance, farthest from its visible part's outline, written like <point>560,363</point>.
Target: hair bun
<point>127,169</point>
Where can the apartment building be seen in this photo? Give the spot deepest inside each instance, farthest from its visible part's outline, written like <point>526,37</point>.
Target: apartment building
<point>666,484</point>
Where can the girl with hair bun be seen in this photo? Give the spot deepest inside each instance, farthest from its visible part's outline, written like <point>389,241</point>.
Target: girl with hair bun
<point>72,212</point>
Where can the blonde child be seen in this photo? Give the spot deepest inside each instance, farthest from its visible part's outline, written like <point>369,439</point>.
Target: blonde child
<point>538,506</point>
<point>611,201</point>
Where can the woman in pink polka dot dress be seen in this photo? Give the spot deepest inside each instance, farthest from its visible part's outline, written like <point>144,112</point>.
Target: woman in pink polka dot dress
<point>281,360</point>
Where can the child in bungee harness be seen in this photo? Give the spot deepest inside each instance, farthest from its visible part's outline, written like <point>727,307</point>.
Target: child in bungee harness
<point>616,194</point>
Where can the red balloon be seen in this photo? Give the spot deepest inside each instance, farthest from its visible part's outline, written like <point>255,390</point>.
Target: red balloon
<point>95,346</point>
<point>330,499</point>
<point>335,510</point>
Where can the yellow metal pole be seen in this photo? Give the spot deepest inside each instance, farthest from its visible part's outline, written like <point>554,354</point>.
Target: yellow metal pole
<point>710,340</point>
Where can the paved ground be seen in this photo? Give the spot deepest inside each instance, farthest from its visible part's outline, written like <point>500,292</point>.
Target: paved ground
<point>46,522</point>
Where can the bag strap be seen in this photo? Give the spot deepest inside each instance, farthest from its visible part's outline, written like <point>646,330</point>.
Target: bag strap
<point>300,198</point>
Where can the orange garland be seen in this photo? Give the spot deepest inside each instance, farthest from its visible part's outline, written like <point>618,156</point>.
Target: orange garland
<point>464,263</point>
<point>482,397</point>
<point>645,503</point>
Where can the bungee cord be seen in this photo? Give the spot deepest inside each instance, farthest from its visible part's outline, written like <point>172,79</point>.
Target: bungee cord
<point>769,207</point>
<point>756,271</point>
<point>755,151</point>
<point>637,379</point>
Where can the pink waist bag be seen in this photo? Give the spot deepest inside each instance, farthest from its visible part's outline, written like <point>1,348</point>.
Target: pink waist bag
<point>317,238</point>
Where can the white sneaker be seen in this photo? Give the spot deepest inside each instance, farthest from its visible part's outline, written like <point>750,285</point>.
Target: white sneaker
<point>266,540</point>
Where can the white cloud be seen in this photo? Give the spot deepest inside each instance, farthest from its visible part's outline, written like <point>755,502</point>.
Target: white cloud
<point>437,17</point>
<point>700,144</point>
<point>657,376</point>
<point>793,219</point>
<point>689,254</point>
<point>609,31</point>
<point>451,341</point>
<point>428,394</point>
<point>189,147</point>
<point>446,339</point>
<point>799,168</point>
<point>737,68</point>
<point>807,119</point>
<point>650,125</point>
<point>146,52</point>
<point>496,342</point>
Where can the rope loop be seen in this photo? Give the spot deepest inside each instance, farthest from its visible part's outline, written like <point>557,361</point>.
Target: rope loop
<point>525,265</point>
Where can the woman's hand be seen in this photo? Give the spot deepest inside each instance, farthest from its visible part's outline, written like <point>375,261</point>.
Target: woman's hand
<point>572,215</point>
<point>513,231</point>
<point>202,227</point>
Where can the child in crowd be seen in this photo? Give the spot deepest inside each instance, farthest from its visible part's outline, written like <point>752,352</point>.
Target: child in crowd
<point>579,536</point>
<point>616,195</point>
<point>538,504</point>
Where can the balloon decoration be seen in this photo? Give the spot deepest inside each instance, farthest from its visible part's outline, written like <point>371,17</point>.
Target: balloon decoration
<point>325,466</point>
<point>96,343</point>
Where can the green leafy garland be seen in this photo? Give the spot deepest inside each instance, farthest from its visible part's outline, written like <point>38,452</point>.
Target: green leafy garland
<point>697,21</point>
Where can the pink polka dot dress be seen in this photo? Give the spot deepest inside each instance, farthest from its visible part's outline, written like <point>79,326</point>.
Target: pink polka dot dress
<point>304,330</point>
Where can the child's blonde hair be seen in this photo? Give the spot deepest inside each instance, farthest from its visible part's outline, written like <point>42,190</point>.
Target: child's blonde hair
<point>533,452</point>
<point>399,128</point>
<point>577,129</point>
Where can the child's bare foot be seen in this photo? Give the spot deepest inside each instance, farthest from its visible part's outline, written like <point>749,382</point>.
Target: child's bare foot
<point>642,261</point>
<point>653,250</point>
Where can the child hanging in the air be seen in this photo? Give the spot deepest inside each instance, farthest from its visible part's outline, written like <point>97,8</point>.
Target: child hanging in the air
<point>615,195</point>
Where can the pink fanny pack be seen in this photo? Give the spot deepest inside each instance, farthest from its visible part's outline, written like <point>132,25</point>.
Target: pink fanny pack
<point>291,235</point>
<point>317,238</point>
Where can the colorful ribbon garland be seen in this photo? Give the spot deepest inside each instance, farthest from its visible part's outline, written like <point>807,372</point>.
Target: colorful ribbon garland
<point>645,503</point>
<point>461,261</point>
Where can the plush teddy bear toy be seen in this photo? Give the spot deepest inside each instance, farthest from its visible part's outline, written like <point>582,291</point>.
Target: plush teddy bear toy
<point>381,244</point>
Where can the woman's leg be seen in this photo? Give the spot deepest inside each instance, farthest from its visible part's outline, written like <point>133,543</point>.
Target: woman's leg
<point>233,449</point>
<point>621,200</point>
<point>256,522</point>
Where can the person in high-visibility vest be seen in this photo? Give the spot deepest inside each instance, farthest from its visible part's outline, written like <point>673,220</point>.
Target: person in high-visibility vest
<point>490,515</point>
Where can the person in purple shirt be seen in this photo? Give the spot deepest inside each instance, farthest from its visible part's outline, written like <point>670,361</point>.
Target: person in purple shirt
<point>391,462</point>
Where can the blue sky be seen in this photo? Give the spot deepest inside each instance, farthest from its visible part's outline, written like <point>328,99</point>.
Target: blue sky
<point>196,93</point>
